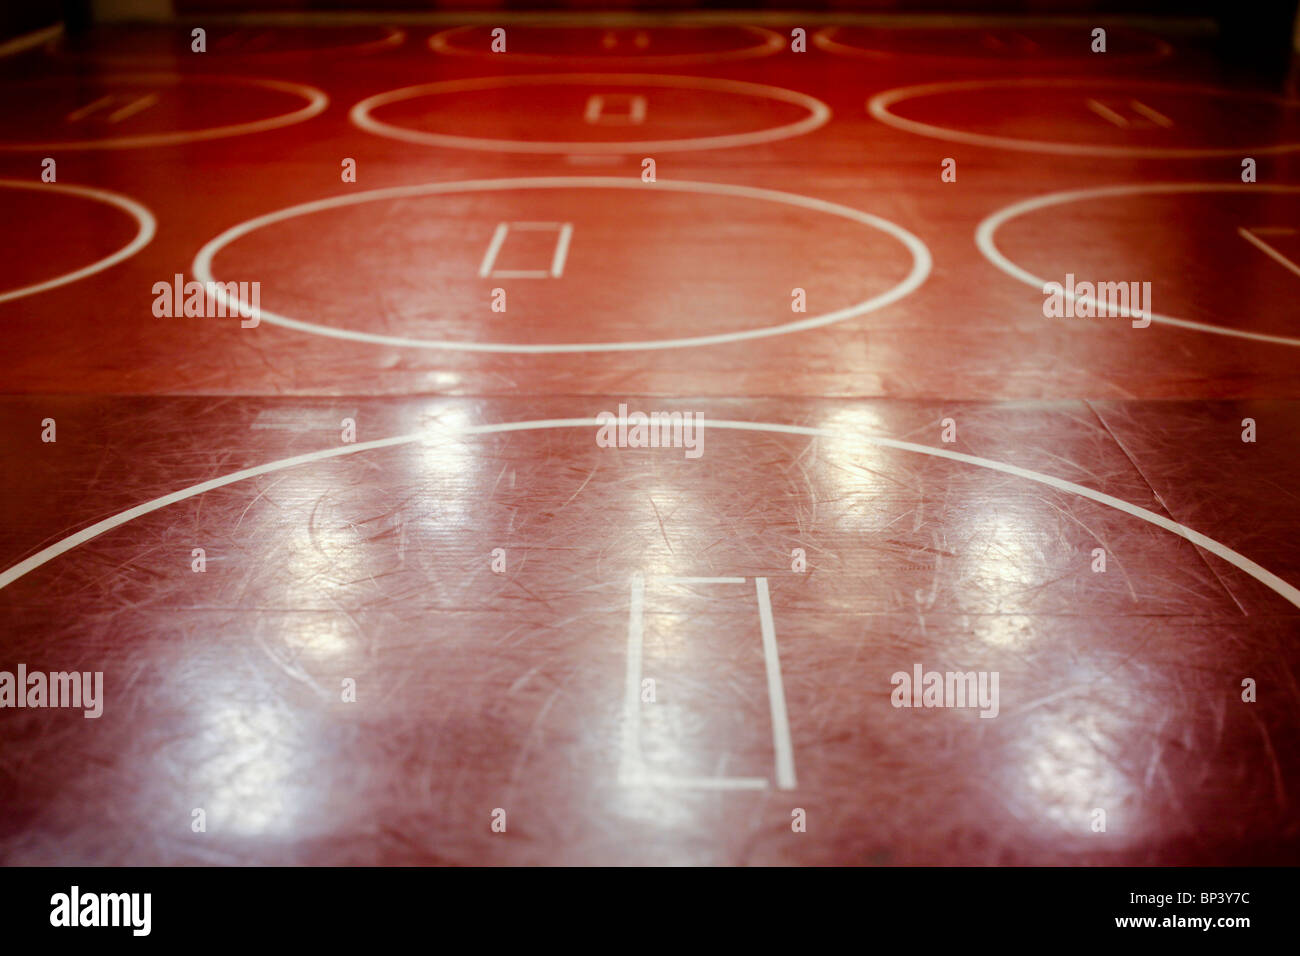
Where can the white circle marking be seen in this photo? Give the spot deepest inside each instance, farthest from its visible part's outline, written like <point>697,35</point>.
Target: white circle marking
<point>145,222</point>
<point>986,230</point>
<point>921,262</point>
<point>818,113</point>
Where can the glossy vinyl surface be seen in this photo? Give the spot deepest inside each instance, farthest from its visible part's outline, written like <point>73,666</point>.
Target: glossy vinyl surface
<point>434,598</point>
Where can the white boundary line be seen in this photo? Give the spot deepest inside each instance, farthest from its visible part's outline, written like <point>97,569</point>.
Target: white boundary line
<point>145,221</point>
<point>81,112</point>
<point>564,233</point>
<point>987,230</point>
<point>201,268</point>
<point>632,769</point>
<point>1251,236</point>
<point>824,40</point>
<point>770,43</point>
<point>138,105</point>
<point>819,113</point>
<point>880,105</point>
<point>1191,25</point>
<point>1265,577</point>
<point>316,103</point>
<point>561,250</point>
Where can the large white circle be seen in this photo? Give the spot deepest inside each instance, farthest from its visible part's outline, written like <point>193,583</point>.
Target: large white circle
<point>316,103</point>
<point>986,230</point>
<point>818,113</point>
<point>145,223</point>
<point>879,107</point>
<point>1265,577</point>
<point>771,42</point>
<point>921,262</point>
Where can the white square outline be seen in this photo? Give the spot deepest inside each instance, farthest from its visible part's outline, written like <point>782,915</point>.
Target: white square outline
<point>632,770</point>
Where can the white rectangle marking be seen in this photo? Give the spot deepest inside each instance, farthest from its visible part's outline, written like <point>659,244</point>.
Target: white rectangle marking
<point>1252,236</point>
<point>594,113</point>
<point>494,247</point>
<point>564,230</point>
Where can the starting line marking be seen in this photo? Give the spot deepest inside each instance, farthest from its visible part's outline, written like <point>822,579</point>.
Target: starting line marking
<point>631,770</point>
<point>134,104</point>
<point>1150,115</point>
